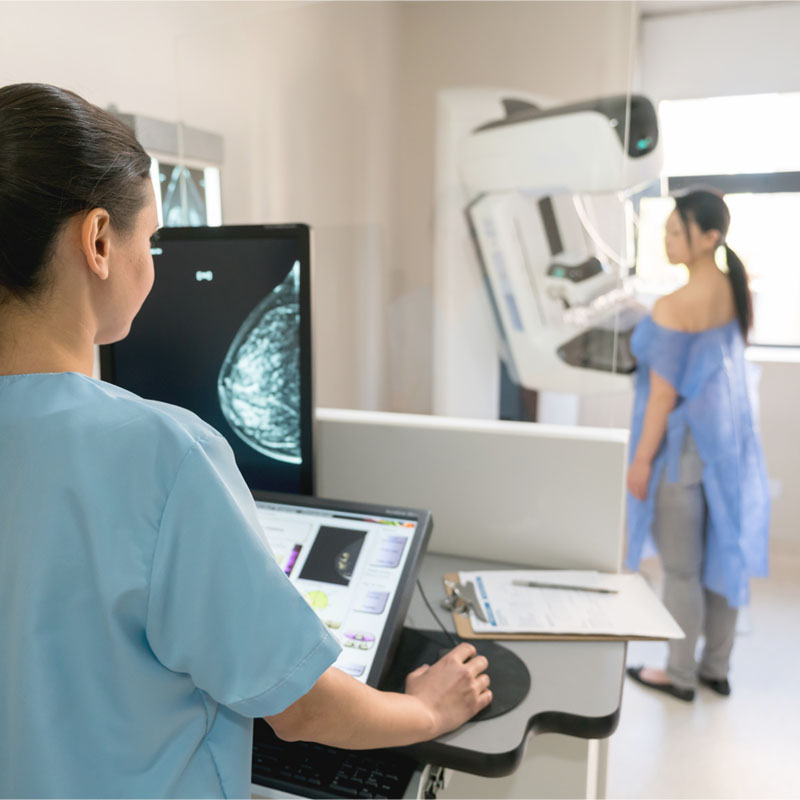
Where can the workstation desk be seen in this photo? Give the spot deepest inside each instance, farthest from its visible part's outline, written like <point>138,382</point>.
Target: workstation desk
<point>502,494</point>
<point>576,689</point>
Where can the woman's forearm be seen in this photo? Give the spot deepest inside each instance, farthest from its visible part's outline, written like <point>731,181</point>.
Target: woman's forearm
<point>659,405</point>
<point>342,712</point>
<point>653,429</point>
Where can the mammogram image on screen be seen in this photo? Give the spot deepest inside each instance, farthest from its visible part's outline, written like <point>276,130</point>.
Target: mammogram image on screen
<point>259,383</point>
<point>333,556</point>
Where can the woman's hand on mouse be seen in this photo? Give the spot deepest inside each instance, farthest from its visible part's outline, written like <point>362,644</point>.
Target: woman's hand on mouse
<point>455,688</point>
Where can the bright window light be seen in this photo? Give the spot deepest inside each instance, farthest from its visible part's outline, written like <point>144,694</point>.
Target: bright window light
<point>731,135</point>
<point>745,135</point>
<point>764,234</point>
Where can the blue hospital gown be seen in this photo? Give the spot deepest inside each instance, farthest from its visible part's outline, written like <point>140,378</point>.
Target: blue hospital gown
<point>144,621</point>
<point>715,403</point>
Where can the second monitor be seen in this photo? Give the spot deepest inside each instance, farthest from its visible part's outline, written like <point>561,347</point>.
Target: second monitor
<point>226,333</point>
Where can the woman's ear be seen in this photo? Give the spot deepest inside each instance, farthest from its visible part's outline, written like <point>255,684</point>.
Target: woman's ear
<point>96,241</point>
<point>713,238</point>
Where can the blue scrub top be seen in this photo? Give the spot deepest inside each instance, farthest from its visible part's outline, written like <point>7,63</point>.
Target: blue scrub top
<point>144,619</point>
<point>716,398</point>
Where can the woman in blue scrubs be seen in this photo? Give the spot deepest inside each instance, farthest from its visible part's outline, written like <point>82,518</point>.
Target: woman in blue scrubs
<point>697,481</point>
<point>144,622</point>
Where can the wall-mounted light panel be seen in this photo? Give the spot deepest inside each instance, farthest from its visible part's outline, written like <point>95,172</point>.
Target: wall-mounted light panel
<point>185,170</point>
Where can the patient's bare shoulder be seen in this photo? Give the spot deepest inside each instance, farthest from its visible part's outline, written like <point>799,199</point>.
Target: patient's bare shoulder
<point>670,311</point>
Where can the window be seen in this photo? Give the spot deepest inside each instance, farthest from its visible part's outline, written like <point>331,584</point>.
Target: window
<point>746,147</point>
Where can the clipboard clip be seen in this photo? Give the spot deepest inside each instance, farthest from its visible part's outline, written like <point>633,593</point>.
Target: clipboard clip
<point>461,598</point>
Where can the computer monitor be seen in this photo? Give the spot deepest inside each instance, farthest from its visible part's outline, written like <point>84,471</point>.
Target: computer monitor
<point>356,565</point>
<point>226,333</point>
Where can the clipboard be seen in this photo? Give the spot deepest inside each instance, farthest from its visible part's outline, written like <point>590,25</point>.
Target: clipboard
<point>464,628</point>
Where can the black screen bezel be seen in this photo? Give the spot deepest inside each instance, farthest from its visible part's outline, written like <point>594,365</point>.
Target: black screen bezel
<point>302,234</point>
<point>407,581</point>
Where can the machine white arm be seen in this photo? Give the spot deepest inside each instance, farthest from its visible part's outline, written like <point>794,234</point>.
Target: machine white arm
<point>522,175</point>
<point>577,148</point>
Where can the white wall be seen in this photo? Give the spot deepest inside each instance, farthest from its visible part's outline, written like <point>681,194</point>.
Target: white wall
<point>725,51</point>
<point>175,61</point>
<point>328,126</point>
<point>303,94</point>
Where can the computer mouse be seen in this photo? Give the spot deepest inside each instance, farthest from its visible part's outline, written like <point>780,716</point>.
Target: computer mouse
<point>510,678</point>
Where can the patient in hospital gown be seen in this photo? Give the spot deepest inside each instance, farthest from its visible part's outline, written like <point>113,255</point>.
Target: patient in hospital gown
<point>697,481</point>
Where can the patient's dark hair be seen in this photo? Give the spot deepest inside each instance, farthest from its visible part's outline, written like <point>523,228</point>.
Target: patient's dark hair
<point>59,156</point>
<point>710,212</point>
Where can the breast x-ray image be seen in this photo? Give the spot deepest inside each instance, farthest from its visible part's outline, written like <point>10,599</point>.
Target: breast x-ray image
<point>221,335</point>
<point>259,383</point>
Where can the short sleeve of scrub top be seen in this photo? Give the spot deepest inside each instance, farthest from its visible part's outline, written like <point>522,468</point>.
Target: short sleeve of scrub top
<point>145,619</point>
<point>220,609</point>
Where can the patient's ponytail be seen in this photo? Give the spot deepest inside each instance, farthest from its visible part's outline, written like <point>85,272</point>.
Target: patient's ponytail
<point>742,296</point>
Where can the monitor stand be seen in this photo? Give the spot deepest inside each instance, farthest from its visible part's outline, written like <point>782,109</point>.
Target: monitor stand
<point>510,679</point>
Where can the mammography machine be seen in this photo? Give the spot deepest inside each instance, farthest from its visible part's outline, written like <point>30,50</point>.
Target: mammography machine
<point>557,304</point>
<point>543,190</point>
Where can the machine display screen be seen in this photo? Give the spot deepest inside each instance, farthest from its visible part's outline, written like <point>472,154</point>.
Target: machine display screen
<point>352,567</point>
<point>225,332</point>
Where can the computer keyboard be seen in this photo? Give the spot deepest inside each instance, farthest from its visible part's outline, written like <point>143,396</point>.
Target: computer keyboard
<point>315,770</point>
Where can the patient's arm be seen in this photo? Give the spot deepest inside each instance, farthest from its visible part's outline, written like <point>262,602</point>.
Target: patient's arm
<point>342,712</point>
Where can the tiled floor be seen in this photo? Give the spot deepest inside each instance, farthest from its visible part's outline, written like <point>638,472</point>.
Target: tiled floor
<point>744,746</point>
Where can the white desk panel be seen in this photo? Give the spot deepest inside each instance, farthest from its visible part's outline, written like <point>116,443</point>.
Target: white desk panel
<point>517,492</point>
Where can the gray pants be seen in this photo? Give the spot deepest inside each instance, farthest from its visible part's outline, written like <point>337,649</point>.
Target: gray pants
<point>679,530</point>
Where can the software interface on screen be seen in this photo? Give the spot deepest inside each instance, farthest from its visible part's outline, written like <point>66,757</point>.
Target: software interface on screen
<point>348,568</point>
<point>220,334</point>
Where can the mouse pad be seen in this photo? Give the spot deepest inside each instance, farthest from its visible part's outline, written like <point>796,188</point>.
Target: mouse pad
<point>510,679</point>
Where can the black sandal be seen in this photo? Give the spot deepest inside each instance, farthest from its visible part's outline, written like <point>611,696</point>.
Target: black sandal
<point>687,695</point>
<point>719,685</point>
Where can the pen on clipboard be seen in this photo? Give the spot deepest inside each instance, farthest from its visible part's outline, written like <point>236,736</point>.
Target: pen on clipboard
<point>544,585</point>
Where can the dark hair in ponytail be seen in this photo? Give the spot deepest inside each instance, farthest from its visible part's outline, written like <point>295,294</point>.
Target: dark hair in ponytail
<point>59,156</point>
<point>709,211</point>
<point>742,296</point>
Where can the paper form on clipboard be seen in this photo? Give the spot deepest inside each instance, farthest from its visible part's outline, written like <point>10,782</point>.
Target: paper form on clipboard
<point>633,611</point>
